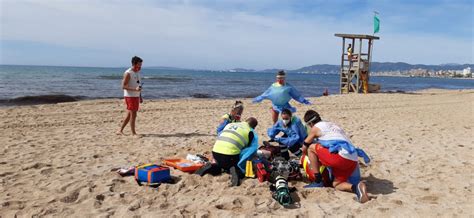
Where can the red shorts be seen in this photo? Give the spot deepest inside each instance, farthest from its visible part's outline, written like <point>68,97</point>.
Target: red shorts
<point>132,103</point>
<point>342,168</point>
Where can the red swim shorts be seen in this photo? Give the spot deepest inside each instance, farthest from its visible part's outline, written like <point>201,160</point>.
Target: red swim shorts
<point>342,168</point>
<point>132,103</point>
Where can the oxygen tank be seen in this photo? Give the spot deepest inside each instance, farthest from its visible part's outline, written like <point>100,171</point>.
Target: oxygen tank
<point>282,192</point>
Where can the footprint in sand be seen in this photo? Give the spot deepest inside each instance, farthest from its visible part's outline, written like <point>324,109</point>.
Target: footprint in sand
<point>6,174</point>
<point>431,199</point>
<point>36,166</point>
<point>98,200</point>
<point>14,205</point>
<point>46,171</point>
<point>71,197</point>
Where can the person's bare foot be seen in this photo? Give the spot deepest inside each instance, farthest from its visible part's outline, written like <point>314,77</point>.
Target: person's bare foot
<point>119,133</point>
<point>136,135</point>
<point>361,192</point>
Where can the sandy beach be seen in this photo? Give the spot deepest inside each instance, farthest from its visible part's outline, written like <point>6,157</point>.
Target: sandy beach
<point>56,160</point>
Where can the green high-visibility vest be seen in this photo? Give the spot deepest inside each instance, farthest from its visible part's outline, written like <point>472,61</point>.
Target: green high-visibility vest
<point>233,139</point>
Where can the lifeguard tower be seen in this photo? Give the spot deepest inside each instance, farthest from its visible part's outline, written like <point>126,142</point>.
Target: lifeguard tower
<point>355,64</point>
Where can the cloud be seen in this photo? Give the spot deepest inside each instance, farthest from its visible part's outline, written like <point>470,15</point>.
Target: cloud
<point>213,34</point>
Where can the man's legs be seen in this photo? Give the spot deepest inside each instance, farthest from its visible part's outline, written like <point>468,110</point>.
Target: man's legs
<point>125,122</point>
<point>229,164</point>
<point>341,170</point>
<point>133,118</point>
<point>342,186</point>
<point>296,150</point>
<point>284,151</point>
<point>212,168</point>
<point>360,189</point>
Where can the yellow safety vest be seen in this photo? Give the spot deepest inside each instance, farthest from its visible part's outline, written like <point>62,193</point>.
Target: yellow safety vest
<point>233,139</point>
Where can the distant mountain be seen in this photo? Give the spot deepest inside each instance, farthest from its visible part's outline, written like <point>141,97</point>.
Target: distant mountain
<point>334,69</point>
<point>382,67</point>
<point>318,68</point>
<point>271,70</point>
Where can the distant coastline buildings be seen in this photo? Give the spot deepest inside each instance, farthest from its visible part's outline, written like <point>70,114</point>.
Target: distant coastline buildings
<point>465,73</point>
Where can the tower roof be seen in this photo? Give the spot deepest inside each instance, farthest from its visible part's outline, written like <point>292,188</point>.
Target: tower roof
<point>356,36</point>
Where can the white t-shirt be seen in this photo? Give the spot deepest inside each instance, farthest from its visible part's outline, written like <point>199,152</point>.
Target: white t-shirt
<point>330,131</point>
<point>133,83</point>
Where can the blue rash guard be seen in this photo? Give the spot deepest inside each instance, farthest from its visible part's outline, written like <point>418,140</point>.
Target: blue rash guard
<point>295,133</point>
<point>280,95</point>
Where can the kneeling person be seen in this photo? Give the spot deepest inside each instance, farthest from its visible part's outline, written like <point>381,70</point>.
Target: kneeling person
<point>232,117</point>
<point>226,151</point>
<point>294,134</point>
<point>333,149</point>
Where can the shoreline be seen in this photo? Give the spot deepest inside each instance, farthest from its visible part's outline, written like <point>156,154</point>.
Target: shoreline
<point>57,99</point>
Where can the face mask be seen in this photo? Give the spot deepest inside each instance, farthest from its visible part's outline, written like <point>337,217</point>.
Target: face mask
<point>286,122</point>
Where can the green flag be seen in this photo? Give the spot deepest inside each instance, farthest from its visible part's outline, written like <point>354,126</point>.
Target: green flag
<point>376,24</point>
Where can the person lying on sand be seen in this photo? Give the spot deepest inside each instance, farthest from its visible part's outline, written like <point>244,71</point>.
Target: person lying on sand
<point>227,149</point>
<point>232,117</point>
<point>333,149</point>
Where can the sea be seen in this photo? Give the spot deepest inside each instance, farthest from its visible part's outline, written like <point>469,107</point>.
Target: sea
<point>30,84</point>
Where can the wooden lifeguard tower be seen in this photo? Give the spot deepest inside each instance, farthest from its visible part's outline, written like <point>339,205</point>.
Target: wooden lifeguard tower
<point>355,67</point>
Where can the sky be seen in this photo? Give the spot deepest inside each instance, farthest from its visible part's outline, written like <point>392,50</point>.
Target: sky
<point>226,34</point>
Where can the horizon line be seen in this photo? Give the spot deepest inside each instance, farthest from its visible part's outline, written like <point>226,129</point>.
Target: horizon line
<point>196,69</point>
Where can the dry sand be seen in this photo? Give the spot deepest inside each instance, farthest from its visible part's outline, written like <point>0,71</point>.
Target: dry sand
<point>56,160</point>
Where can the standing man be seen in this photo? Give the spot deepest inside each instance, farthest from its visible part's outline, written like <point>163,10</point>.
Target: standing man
<point>131,85</point>
<point>349,52</point>
<point>349,55</point>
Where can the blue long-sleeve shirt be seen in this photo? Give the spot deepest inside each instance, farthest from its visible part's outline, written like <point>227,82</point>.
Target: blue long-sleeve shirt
<point>295,132</point>
<point>280,95</point>
<point>248,152</point>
